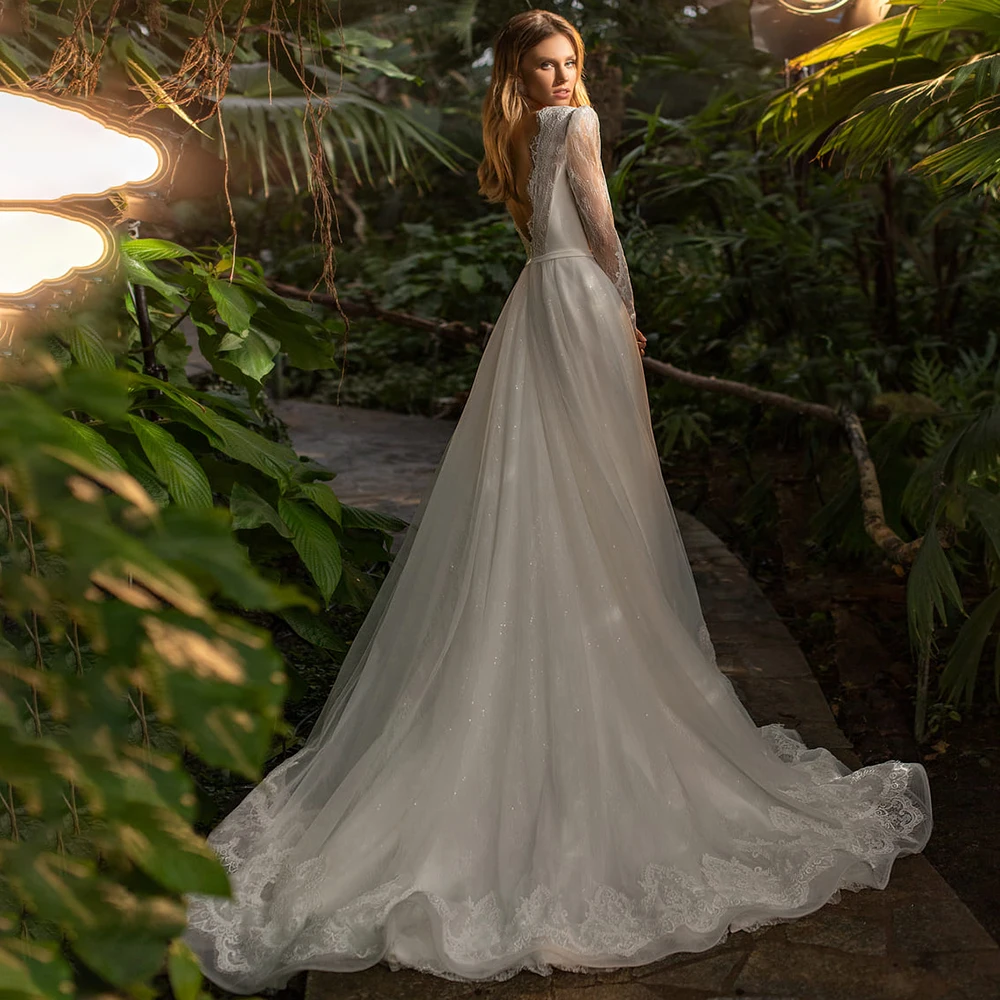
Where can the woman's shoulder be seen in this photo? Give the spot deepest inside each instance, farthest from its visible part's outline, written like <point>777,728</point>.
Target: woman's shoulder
<point>582,118</point>
<point>560,119</point>
<point>563,112</point>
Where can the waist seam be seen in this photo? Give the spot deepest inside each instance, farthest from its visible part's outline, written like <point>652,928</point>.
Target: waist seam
<point>554,254</point>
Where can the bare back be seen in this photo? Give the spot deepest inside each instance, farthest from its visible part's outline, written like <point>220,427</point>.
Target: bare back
<point>521,139</point>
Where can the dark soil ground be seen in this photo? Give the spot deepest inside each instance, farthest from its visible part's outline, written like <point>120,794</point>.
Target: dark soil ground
<point>850,620</point>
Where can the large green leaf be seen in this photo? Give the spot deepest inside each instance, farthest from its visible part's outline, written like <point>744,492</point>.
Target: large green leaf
<point>222,696</point>
<point>125,953</point>
<point>33,970</point>
<point>930,587</point>
<point>315,543</point>
<point>324,498</point>
<point>169,851</point>
<point>255,353</point>
<point>191,542</point>
<point>151,249</point>
<point>234,305</point>
<point>139,273</point>
<point>184,971</point>
<point>314,629</point>
<point>173,463</point>
<point>88,442</point>
<point>146,477</point>
<point>307,344</point>
<point>361,517</point>
<point>89,349</point>
<point>251,510</point>
<point>276,460</point>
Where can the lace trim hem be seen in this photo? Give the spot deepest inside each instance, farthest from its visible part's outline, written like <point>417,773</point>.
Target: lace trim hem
<point>270,929</point>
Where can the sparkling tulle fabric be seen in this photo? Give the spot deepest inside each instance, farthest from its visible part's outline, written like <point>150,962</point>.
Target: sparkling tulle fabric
<point>529,758</point>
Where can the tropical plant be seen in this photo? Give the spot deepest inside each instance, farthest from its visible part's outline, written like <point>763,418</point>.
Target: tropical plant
<point>114,655</point>
<point>280,96</point>
<point>921,87</point>
<point>463,271</point>
<point>924,81</point>
<point>802,282</point>
<point>198,447</point>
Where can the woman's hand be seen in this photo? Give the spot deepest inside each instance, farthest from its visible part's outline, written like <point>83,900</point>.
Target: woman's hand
<point>641,341</point>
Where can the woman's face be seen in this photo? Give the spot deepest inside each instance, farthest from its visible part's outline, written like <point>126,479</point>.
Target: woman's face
<point>549,72</point>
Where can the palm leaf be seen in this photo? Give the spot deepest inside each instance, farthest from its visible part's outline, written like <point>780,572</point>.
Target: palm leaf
<point>958,679</point>
<point>880,89</point>
<point>930,587</point>
<point>923,18</point>
<point>803,115</point>
<point>975,160</point>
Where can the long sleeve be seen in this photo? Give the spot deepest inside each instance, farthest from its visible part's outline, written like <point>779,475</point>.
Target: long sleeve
<point>590,189</point>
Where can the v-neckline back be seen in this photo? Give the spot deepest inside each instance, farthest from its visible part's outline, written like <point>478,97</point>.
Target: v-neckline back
<point>529,238</point>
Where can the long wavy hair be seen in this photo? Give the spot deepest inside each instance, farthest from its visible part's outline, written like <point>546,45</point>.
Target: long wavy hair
<point>504,105</point>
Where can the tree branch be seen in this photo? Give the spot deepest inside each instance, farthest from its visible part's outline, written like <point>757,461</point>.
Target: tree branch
<point>872,509</point>
<point>450,330</point>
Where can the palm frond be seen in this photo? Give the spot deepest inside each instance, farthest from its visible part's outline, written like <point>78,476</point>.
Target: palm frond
<point>923,18</point>
<point>930,588</point>
<point>462,22</point>
<point>800,117</point>
<point>884,88</point>
<point>974,161</point>
<point>958,679</point>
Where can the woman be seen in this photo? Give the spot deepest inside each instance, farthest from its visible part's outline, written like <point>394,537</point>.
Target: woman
<point>529,758</point>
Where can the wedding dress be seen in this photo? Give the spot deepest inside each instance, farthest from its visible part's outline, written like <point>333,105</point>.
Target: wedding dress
<point>529,758</point>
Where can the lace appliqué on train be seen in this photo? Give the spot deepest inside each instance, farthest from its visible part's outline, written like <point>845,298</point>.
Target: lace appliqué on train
<point>272,921</point>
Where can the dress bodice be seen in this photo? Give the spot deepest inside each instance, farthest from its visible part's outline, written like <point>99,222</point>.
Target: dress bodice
<point>570,205</point>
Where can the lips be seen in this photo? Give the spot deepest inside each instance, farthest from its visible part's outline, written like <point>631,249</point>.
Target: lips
<point>560,93</point>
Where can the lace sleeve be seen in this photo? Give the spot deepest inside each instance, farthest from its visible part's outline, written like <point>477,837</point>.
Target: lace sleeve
<point>590,189</point>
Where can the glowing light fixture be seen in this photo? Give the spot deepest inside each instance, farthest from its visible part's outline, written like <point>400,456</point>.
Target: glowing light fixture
<point>821,7</point>
<point>53,153</point>
<point>790,28</point>
<point>39,246</point>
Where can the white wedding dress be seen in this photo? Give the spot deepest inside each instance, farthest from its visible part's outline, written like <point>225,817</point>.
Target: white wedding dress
<point>529,758</point>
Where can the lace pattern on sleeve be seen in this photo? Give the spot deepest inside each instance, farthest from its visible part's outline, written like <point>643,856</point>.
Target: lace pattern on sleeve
<point>590,189</point>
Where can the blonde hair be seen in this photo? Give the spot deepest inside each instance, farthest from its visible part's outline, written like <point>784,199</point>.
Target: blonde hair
<point>504,105</point>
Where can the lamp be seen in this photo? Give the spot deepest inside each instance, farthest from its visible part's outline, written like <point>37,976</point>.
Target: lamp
<point>56,155</point>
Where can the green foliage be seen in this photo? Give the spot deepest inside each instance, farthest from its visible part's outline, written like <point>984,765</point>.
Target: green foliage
<point>288,75</point>
<point>463,272</point>
<point>127,584</point>
<point>242,325</point>
<point>683,423</point>
<point>195,448</point>
<point>835,289</point>
<point>115,656</point>
<point>924,80</point>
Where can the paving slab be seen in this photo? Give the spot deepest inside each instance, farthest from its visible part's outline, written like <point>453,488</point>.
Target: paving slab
<point>914,940</point>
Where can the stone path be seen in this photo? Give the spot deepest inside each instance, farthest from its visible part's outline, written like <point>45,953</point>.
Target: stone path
<point>914,940</point>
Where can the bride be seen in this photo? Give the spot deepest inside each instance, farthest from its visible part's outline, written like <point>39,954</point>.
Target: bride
<point>529,758</point>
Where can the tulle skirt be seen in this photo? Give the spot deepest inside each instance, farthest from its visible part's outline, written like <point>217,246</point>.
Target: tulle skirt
<point>529,758</point>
